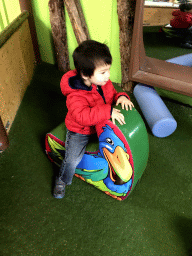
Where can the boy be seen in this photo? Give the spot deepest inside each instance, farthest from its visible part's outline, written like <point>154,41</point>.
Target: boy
<point>90,96</point>
<point>182,23</point>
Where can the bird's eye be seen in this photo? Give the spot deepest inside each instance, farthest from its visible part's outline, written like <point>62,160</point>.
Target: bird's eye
<point>109,141</point>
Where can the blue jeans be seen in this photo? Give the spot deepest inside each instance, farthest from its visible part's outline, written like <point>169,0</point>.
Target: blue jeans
<point>75,146</point>
<point>185,34</point>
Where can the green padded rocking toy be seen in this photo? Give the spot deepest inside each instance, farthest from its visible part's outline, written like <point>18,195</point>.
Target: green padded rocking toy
<point>114,161</point>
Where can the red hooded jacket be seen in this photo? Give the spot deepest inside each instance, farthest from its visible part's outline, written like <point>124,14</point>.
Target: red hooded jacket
<point>87,106</point>
<point>181,19</point>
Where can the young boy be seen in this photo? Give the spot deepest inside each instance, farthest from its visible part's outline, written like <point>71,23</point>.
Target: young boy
<point>90,96</point>
<point>182,23</point>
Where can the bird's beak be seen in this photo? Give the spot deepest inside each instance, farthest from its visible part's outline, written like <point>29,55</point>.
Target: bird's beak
<point>120,168</point>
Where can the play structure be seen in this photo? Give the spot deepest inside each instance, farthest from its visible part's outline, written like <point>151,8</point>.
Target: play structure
<point>115,159</point>
<point>15,47</point>
<point>171,32</point>
<point>157,115</point>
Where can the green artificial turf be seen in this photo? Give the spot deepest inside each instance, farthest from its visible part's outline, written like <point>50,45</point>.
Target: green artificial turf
<point>156,219</point>
<point>157,45</point>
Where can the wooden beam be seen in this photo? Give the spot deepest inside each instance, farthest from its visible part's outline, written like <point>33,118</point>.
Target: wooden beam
<point>57,19</point>
<point>82,18</point>
<point>25,5</point>
<point>13,27</point>
<point>126,13</point>
<point>77,20</point>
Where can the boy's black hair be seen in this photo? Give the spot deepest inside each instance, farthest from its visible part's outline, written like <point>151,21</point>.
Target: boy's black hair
<point>185,7</point>
<point>88,55</point>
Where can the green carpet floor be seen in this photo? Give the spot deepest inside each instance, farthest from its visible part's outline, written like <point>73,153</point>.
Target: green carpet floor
<point>156,219</point>
<point>160,47</point>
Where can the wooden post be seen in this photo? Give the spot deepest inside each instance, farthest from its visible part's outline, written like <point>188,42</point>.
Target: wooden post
<point>57,19</point>
<point>126,13</point>
<point>82,18</point>
<point>25,5</point>
<point>77,20</point>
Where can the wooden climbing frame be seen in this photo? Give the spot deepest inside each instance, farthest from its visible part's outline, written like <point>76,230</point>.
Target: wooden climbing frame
<point>126,13</point>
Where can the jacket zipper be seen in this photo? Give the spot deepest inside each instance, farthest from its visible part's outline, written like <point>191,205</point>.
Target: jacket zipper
<point>100,91</point>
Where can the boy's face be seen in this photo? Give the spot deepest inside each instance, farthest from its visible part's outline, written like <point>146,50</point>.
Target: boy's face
<point>100,76</point>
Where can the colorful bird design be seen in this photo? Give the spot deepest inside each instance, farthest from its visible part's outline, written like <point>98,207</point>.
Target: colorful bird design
<point>117,154</point>
<point>110,169</point>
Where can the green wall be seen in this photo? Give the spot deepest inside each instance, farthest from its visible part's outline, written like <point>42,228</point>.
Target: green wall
<point>102,21</point>
<point>9,10</point>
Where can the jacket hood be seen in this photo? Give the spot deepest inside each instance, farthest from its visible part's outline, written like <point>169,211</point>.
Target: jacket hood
<point>71,82</point>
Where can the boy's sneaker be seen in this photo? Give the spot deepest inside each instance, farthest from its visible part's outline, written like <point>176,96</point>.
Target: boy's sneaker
<point>59,189</point>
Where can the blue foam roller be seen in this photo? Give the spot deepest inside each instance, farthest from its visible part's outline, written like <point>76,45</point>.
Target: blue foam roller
<point>184,60</point>
<point>157,115</point>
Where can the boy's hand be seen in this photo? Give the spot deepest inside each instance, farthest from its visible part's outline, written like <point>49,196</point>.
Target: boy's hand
<point>118,116</point>
<point>125,103</point>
